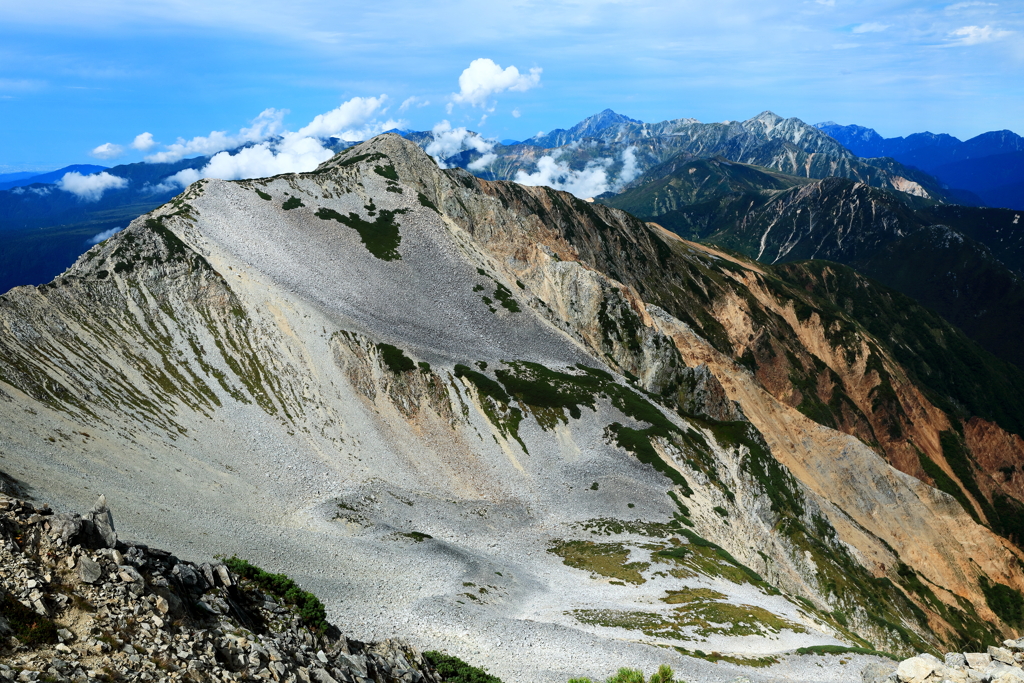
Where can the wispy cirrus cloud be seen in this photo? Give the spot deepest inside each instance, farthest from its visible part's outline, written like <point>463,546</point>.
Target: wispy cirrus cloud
<point>976,35</point>
<point>870,27</point>
<point>959,6</point>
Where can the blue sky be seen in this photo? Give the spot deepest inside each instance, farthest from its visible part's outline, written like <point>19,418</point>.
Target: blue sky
<point>77,76</point>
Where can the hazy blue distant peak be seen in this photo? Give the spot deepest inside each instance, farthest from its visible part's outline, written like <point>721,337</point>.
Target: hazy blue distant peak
<point>52,176</point>
<point>7,177</point>
<point>851,132</point>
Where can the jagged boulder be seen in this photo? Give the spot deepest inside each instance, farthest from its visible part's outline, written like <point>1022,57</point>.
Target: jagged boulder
<point>996,665</point>
<point>145,615</point>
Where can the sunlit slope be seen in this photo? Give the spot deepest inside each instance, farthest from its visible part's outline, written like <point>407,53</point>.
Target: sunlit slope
<point>436,403</point>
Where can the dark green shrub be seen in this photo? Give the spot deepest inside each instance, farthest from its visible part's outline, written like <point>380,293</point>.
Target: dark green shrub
<point>426,202</point>
<point>263,195</point>
<point>292,203</point>
<point>453,669</point>
<point>30,628</point>
<point>381,237</point>
<point>1006,602</point>
<point>309,607</point>
<point>388,172</point>
<point>484,384</point>
<point>395,359</point>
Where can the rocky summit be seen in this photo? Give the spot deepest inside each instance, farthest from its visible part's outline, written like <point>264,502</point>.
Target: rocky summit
<point>80,605</point>
<point>501,422</point>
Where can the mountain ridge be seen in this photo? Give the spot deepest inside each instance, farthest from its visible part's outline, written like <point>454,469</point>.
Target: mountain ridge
<point>344,359</point>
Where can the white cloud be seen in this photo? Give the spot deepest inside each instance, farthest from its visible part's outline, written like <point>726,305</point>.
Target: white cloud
<point>413,101</point>
<point>271,150</point>
<point>267,124</point>
<point>41,191</point>
<point>90,188</point>
<point>826,3</point>
<point>351,120</point>
<point>143,142</point>
<point>105,235</point>
<point>975,35</point>
<point>630,169</point>
<point>449,141</point>
<point>108,150</point>
<point>293,153</point>
<point>516,113</point>
<point>483,78</point>
<point>589,182</point>
<point>870,27</point>
<point>483,162</point>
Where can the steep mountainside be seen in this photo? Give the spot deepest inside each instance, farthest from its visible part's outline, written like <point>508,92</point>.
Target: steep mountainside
<point>998,179</point>
<point>497,414</point>
<point>962,262</point>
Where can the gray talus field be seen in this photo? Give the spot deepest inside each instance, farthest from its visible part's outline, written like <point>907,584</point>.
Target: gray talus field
<point>364,377</point>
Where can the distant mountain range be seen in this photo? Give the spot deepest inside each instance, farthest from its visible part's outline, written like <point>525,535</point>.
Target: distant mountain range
<point>12,180</point>
<point>625,149</point>
<point>990,165</point>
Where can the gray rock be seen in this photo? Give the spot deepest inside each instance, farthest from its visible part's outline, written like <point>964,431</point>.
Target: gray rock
<point>103,522</point>
<point>223,575</point>
<point>1006,674</point>
<point>129,574</point>
<point>207,571</point>
<point>111,554</point>
<point>878,672</point>
<point>978,660</point>
<point>1000,654</point>
<point>66,526</point>
<point>955,659</point>
<point>355,663</point>
<point>189,577</point>
<point>89,570</point>
<point>319,675</point>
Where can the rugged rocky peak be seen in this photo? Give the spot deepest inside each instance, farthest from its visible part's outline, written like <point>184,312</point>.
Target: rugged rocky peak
<point>77,607</point>
<point>794,131</point>
<point>603,124</point>
<point>506,413</point>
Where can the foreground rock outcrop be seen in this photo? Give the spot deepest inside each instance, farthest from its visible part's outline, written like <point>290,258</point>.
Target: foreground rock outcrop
<point>997,665</point>
<point>77,604</point>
